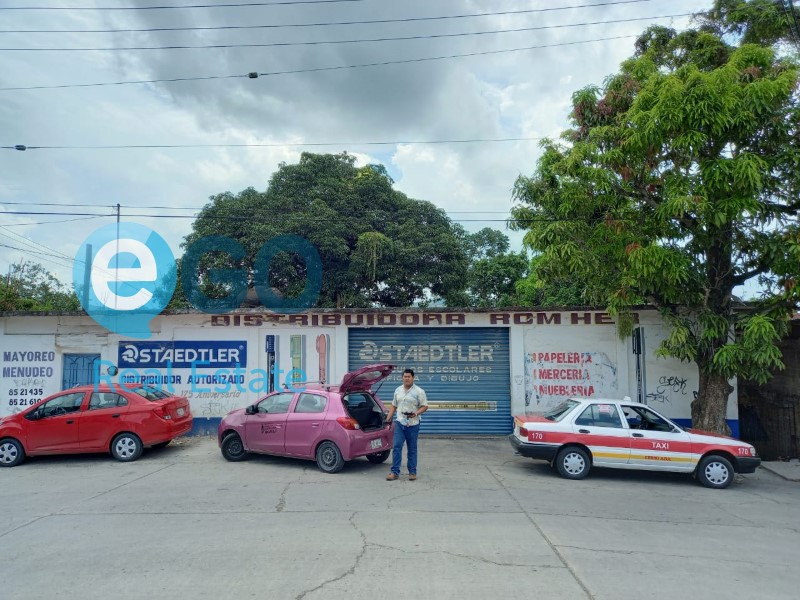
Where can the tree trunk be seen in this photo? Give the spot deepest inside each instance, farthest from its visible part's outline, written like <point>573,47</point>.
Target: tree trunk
<point>710,406</point>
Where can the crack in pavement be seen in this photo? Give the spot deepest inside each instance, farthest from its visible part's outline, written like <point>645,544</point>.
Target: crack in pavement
<point>550,544</point>
<point>464,556</point>
<point>727,558</point>
<point>351,570</point>
<point>127,483</point>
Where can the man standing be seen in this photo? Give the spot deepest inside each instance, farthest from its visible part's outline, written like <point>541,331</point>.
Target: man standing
<point>409,403</point>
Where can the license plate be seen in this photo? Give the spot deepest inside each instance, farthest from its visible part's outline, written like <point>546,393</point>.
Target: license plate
<point>181,412</point>
<point>376,443</point>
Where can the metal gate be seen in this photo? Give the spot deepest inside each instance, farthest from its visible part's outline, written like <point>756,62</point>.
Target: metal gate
<point>79,369</point>
<point>465,373</point>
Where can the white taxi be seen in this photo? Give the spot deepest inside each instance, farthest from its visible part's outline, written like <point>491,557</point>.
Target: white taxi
<point>580,434</point>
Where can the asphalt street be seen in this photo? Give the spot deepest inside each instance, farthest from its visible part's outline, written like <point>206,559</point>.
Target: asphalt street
<point>479,522</point>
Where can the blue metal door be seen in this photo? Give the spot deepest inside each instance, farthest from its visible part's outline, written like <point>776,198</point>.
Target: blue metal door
<point>465,373</point>
<point>79,369</point>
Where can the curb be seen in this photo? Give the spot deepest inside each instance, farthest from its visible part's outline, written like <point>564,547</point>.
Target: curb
<point>778,472</point>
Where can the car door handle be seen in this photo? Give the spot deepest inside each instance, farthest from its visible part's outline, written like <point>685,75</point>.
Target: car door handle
<point>315,424</point>
<point>638,435</point>
<point>115,416</point>
<point>70,422</point>
<point>583,431</point>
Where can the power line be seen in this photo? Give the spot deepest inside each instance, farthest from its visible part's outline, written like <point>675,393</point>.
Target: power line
<point>282,217</point>
<point>351,41</point>
<point>179,7</point>
<point>23,147</point>
<point>327,23</point>
<point>255,75</point>
<point>49,222</point>
<point>194,208</point>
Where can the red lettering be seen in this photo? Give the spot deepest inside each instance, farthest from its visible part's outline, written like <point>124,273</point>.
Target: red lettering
<point>499,319</point>
<point>427,319</point>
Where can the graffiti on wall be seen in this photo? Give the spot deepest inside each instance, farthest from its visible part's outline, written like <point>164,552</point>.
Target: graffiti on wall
<point>668,387</point>
<point>552,376</point>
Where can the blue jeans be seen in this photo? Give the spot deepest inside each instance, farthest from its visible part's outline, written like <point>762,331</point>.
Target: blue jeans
<point>408,435</point>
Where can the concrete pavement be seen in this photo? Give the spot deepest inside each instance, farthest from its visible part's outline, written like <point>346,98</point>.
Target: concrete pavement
<point>789,470</point>
<point>479,523</point>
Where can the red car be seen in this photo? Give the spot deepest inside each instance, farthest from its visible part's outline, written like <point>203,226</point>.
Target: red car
<point>330,424</point>
<point>91,418</point>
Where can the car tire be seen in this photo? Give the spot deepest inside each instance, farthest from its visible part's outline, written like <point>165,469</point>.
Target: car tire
<point>232,448</point>
<point>573,463</point>
<point>378,458</point>
<point>329,458</point>
<point>11,452</point>
<point>126,447</point>
<point>715,471</point>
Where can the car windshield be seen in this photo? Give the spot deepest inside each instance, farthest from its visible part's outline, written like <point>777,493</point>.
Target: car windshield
<point>560,411</point>
<point>151,393</point>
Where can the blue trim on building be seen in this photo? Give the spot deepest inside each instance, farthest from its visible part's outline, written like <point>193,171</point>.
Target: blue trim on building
<point>732,423</point>
<point>205,426</point>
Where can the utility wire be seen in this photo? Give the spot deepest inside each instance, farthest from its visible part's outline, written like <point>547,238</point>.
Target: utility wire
<point>179,7</point>
<point>22,147</point>
<point>327,23</point>
<point>49,222</point>
<point>276,217</point>
<point>255,75</point>
<point>351,41</point>
<point>194,208</point>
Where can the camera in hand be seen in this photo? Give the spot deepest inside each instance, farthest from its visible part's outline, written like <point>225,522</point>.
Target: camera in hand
<point>408,415</point>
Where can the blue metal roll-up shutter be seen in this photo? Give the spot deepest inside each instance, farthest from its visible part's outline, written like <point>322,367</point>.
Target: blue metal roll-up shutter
<point>465,373</point>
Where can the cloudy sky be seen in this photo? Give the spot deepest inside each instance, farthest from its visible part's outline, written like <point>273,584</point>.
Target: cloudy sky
<point>240,128</point>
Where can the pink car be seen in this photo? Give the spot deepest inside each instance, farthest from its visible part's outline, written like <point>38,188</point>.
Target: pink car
<point>327,423</point>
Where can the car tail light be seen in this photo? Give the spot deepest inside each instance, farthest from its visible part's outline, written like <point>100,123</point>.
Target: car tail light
<point>523,432</point>
<point>348,423</point>
<point>161,411</point>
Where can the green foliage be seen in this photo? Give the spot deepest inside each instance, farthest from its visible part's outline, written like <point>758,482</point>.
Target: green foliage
<point>492,272</point>
<point>678,182</point>
<point>30,287</point>
<point>378,247</point>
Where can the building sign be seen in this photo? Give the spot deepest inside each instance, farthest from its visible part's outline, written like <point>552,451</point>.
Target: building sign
<point>29,373</point>
<point>182,355</point>
<point>412,319</point>
<point>465,372</point>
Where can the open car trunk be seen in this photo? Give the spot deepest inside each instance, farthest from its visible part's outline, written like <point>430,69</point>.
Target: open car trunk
<point>364,409</point>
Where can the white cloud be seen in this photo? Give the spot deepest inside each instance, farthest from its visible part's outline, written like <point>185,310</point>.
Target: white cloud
<point>507,95</point>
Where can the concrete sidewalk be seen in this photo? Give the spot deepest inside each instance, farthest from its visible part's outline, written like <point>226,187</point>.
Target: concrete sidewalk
<point>790,470</point>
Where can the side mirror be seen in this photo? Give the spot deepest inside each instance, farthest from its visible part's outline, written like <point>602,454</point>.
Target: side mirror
<point>250,410</point>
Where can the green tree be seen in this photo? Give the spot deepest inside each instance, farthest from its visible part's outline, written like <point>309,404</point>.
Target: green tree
<point>30,287</point>
<point>378,247</point>
<point>677,183</point>
<point>493,271</point>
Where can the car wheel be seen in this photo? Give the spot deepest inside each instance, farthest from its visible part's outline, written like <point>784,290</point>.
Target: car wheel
<point>573,463</point>
<point>126,447</point>
<point>379,457</point>
<point>329,458</point>
<point>715,472</point>
<point>11,453</point>
<point>232,448</point>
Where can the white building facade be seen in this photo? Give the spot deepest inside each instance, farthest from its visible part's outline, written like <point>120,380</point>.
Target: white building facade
<point>479,368</point>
